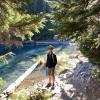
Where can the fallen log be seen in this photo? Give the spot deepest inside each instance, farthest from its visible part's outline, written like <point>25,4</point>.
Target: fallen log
<point>16,83</point>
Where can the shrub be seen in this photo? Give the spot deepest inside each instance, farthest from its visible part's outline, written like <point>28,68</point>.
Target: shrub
<point>2,82</point>
<point>30,94</point>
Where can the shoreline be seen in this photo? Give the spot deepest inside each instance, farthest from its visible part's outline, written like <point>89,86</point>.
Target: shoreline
<point>32,79</point>
<point>72,78</point>
<point>74,81</point>
<point>13,86</point>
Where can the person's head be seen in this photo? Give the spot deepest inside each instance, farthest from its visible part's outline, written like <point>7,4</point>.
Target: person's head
<point>50,48</point>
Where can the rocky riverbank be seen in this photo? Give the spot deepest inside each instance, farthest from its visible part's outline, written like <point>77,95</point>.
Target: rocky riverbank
<point>74,83</point>
<point>73,79</point>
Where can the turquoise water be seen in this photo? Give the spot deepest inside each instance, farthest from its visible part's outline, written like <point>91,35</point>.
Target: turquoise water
<point>19,63</point>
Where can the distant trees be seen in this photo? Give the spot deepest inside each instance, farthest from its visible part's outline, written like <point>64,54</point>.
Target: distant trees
<point>45,33</point>
<point>38,6</point>
<point>79,20</point>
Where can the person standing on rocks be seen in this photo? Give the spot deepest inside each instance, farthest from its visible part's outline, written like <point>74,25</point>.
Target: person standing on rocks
<point>50,64</point>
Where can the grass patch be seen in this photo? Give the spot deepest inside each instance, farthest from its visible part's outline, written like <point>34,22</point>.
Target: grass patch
<point>2,83</point>
<point>62,61</point>
<point>30,94</point>
<point>62,67</point>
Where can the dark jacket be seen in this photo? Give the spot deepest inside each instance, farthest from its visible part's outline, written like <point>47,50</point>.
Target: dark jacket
<point>51,60</point>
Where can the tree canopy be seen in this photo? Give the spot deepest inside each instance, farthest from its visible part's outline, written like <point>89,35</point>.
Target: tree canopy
<point>79,20</point>
<point>16,24</point>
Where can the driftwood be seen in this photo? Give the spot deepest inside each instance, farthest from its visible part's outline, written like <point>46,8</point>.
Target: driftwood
<point>15,84</point>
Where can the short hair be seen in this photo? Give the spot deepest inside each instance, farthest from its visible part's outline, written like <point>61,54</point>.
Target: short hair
<point>50,47</point>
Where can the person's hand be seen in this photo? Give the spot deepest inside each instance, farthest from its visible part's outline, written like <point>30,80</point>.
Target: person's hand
<point>40,63</point>
<point>44,64</point>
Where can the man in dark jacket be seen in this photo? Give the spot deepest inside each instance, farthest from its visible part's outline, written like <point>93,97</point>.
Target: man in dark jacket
<point>51,63</point>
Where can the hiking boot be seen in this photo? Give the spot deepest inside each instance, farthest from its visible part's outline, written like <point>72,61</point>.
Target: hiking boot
<point>53,87</point>
<point>48,85</point>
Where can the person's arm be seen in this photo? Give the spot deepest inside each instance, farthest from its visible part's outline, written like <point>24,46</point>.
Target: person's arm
<point>55,60</point>
<point>47,61</point>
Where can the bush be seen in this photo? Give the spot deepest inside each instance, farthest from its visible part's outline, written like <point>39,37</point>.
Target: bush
<point>2,82</point>
<point>30,94</point>
<point>96,74</point>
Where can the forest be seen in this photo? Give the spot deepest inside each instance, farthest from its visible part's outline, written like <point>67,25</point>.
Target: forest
<point>33,20</point>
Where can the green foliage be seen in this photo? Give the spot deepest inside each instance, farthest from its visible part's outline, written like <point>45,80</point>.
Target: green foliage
<point>42,6</point>
<point>30,94</point>
<point>79,20</point>
<point>2,83</point>
<point>15,24</point>
<point>3,58</point>
<point>96,74</point>
<point>45,34</point>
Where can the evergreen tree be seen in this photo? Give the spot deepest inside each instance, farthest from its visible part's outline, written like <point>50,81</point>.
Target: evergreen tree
<point>79,20</point>
<point>16,24</point>
<point>38,6</point>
